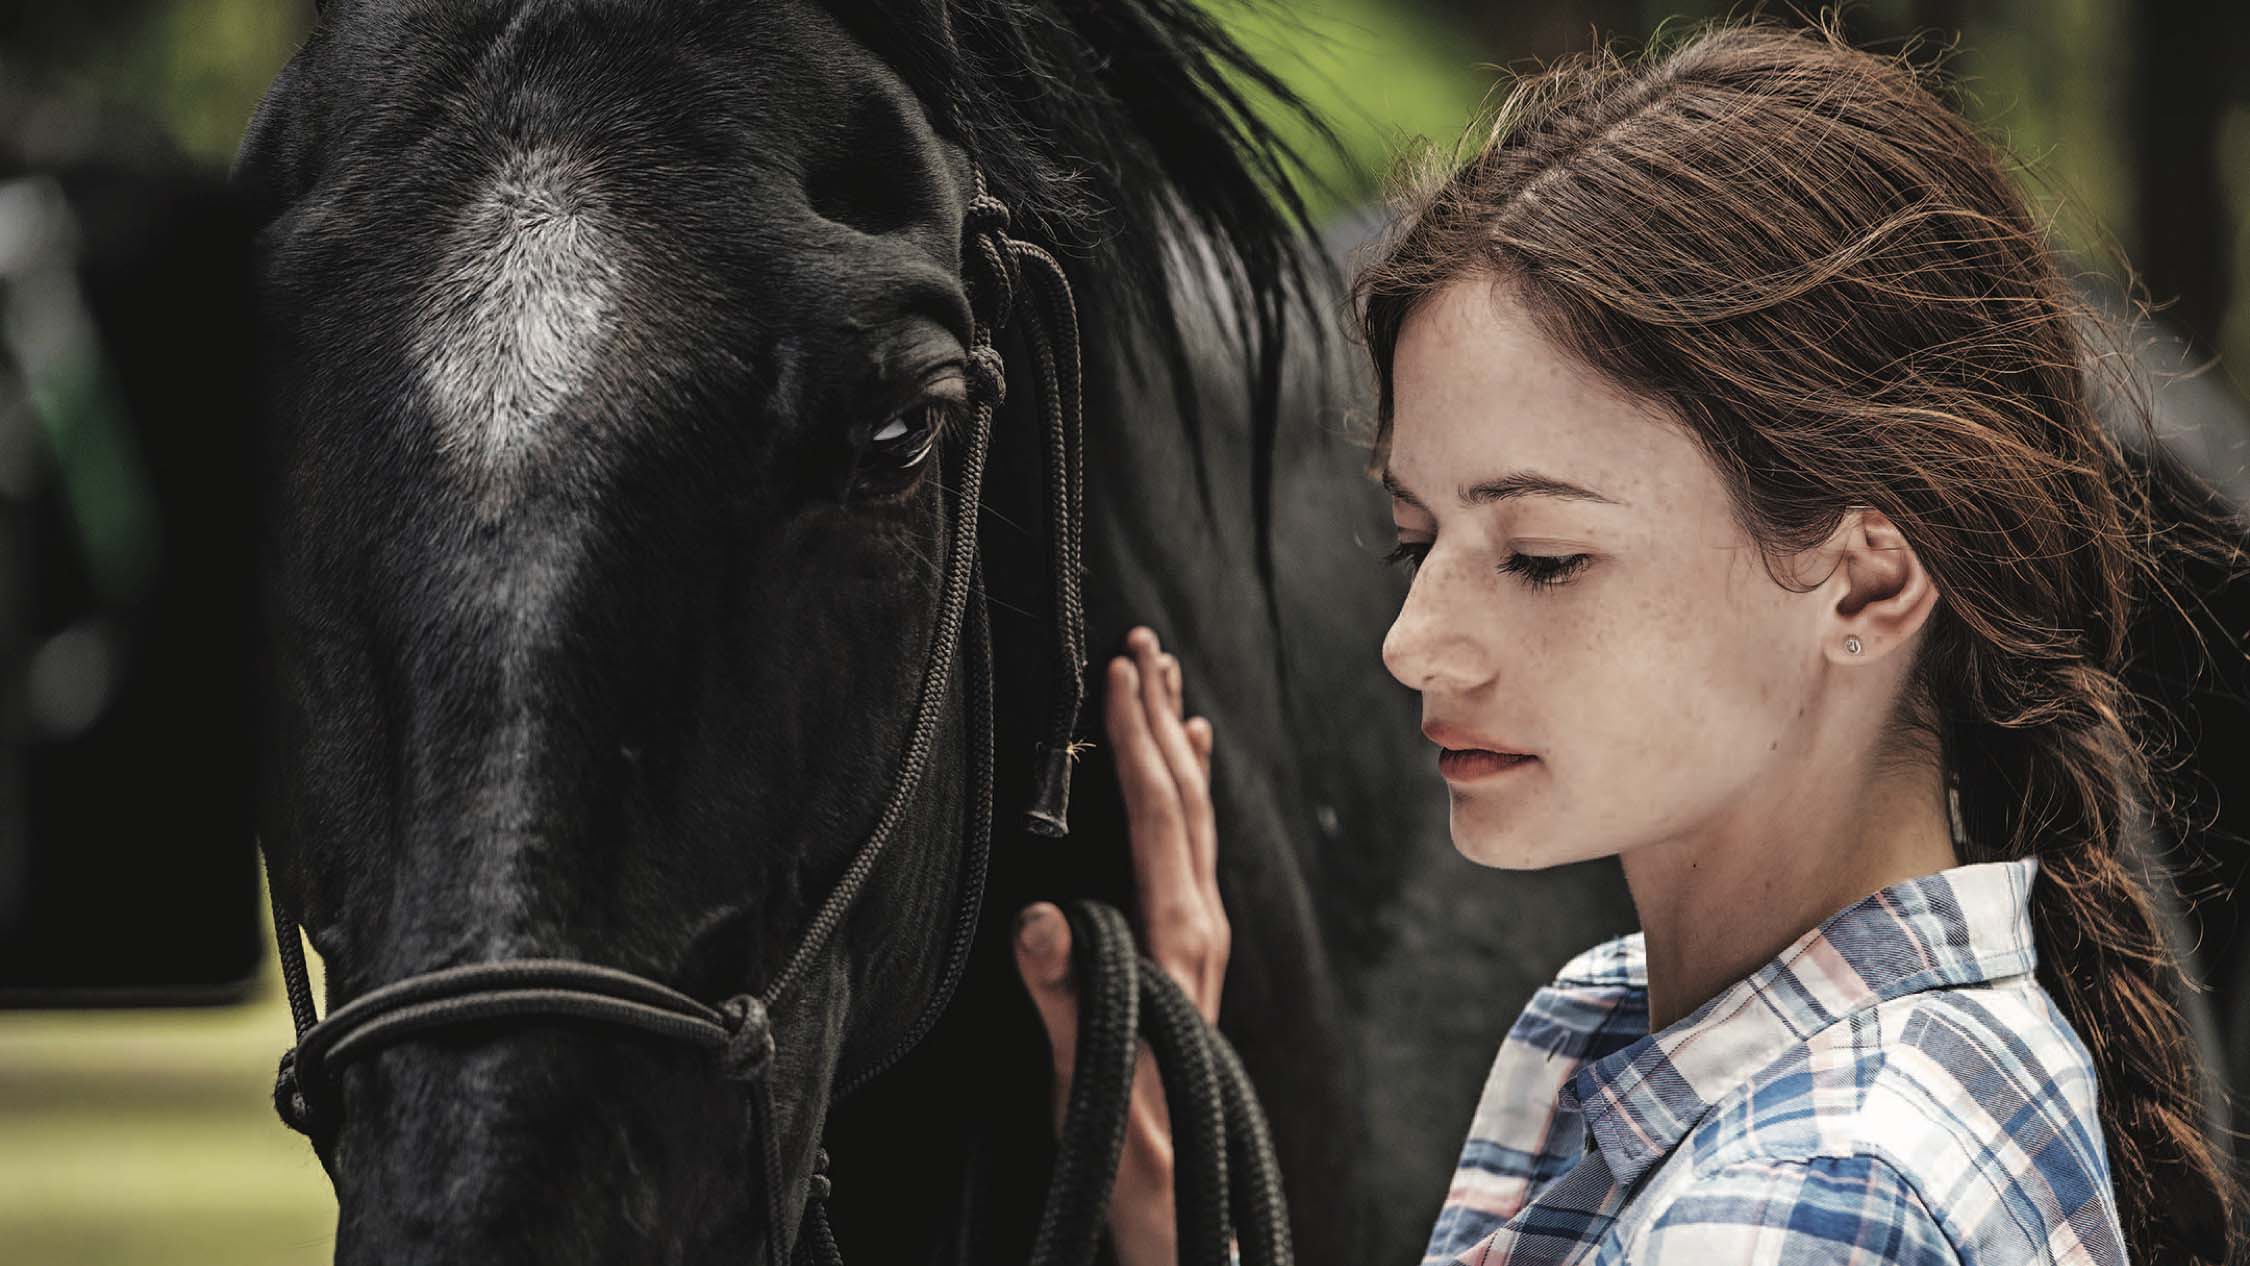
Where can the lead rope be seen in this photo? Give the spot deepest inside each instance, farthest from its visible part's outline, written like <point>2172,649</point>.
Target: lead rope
<point>816,1240</point>
<point>1226,1181</point>
<point>1055,344</point>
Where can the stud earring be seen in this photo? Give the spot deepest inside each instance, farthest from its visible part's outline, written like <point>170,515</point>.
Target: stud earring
<point>1851,646</point>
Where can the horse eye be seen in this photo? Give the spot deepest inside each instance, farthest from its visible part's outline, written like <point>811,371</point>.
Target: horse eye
<point>906,440</point>
<point>889,462</point>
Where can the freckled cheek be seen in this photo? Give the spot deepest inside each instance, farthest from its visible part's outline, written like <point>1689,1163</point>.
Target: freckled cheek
<point>1656,680</point>
<point>1628,702</point>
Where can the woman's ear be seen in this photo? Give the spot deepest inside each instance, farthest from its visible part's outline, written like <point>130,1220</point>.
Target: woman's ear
<point>1878,594</point>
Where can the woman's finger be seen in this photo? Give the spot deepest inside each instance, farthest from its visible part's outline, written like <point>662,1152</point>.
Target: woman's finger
<point>1160,693</point>
<point>1200,740</point>
<point>1190,771</point>
<point>1182,921</point>
<point>1043,960</point>
<point>1161,696</point>
<point>1162,863</point>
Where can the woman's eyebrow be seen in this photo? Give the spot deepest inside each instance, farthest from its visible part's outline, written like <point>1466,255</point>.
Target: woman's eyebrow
<point>1516,483</point>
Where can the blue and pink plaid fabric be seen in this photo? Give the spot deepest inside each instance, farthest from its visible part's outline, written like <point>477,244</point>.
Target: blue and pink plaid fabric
<point>1894,1087</point>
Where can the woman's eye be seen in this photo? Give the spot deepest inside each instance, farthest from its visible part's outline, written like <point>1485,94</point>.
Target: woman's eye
<point>1536,571</point>
<point>1542,571</point>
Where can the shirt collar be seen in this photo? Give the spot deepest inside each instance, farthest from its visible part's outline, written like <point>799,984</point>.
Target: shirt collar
<point>1961,926</point>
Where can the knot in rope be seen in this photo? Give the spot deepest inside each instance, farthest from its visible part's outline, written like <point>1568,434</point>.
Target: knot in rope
<point>988,375</point>
<point>991,253</point>
<point>820,1186</point>
<point>748,1052</point>
<point>289,1096</point>
<point>986,214</point>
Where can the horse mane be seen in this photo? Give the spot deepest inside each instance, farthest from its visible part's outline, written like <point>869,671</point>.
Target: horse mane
<point>1119,132</point>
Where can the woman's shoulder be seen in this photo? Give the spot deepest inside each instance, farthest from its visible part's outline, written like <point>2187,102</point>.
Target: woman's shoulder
<point>1970,1109</point>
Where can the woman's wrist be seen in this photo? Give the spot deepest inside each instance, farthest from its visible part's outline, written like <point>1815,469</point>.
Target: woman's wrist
<point>1142,1226</point>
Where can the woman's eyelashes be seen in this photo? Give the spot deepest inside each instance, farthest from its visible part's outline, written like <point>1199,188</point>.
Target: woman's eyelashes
<point>1544,571</point>
<point>1535,571</point>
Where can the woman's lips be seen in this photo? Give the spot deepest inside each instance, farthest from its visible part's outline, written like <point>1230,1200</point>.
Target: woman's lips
<point>1473,764</point>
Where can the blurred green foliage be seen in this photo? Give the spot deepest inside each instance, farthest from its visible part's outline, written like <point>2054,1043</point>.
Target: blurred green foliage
<point>207,63</point>
<point>1384,76</point>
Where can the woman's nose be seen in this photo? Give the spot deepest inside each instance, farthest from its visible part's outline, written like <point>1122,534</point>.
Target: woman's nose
<point>1433,643</point>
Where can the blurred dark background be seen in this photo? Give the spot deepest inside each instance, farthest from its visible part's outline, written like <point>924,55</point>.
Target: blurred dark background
<point>144,1134</point>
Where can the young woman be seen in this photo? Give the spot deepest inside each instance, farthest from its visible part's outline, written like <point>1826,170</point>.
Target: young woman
<point>1741,431</point>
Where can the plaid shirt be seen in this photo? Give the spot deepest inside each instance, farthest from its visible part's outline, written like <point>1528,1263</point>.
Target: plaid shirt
<point>1894,1087</point>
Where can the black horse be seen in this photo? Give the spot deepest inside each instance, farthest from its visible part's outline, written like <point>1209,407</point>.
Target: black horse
<point>610,345</point>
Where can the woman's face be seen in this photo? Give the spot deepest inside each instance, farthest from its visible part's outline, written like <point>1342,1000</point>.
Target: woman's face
<point>1584,596</point>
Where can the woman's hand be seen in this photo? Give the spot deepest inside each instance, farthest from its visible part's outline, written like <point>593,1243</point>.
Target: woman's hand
<point>1164,766</point>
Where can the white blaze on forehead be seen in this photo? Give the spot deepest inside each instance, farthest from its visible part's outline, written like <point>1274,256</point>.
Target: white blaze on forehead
<point>513,315</point>
<point>512,320</point>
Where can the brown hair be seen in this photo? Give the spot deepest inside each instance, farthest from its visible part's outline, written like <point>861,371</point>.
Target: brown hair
<point>1828,277</point>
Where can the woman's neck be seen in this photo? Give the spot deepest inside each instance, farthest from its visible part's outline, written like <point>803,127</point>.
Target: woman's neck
<point>1718,904</point>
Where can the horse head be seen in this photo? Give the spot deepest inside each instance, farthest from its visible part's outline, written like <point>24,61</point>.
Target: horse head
<point>612,350</point>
